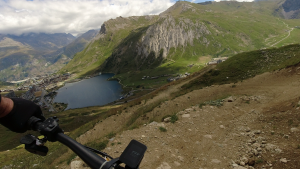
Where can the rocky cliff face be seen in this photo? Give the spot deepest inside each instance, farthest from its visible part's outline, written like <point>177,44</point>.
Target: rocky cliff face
<point>170,33</point>
<point>291,9</point>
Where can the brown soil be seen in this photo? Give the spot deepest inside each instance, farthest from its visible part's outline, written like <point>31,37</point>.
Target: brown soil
<point>263,110</point>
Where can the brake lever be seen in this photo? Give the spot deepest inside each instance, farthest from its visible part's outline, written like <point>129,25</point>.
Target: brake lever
<point>35,145</point>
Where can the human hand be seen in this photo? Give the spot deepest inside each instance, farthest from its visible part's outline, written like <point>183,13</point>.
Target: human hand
<point>17,119</point>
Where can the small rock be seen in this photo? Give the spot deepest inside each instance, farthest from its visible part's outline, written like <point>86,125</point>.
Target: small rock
<point>76,164</point>
<point>256,145</point>
<point>247,129</point>
<point>235,165</point>
<point>143,136</point>
<point>255,152</point>
<point>257,132</point>
<point>180,158</point>
<point>244,159</point>
<point>242,163</point>
<point>164,165</point>
<point>208,136</point>
<point>283,160</point>
<point>277,150</point>
<point>186,115</point>
<point>216,161</point>
<point>167,120</point>
<point>153,123</point>
<point>294,130</point>
<point>222,127</point>
<point>230,99</point>
<point>177,163</point>
<point>270,147</point>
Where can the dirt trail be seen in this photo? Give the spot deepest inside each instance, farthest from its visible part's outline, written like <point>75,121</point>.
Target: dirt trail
<point>290,30</point>
<point>258,126</point>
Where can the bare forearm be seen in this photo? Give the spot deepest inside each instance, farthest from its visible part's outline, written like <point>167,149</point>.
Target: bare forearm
<point>6,105</point>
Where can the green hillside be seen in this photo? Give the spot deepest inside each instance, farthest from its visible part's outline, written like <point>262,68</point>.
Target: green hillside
<point>247,65</point>
<point>227,28</point>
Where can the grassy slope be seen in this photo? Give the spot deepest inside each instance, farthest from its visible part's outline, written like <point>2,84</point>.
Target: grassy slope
<point>235,27</point>
<point>246,65</point>
<point>239,67</point>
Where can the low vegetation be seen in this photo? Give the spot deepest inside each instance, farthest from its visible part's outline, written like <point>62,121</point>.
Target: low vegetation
<point>246,65</point>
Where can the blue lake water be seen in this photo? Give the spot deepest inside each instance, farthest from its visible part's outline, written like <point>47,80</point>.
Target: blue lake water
<point>96,91</point>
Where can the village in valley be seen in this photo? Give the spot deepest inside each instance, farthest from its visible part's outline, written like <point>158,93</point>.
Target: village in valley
<point>39,89</point>
<point>42,88</point>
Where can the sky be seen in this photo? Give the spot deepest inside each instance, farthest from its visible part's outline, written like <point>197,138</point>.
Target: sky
<point>72,16</point>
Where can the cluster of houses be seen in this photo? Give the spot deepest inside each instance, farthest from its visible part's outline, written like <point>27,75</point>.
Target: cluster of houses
<point>6,90</point>
<point>180,76</point>
<point>44,81</point>
<point>154,77</point>
<point>35,92</point>
<point>216,61</point>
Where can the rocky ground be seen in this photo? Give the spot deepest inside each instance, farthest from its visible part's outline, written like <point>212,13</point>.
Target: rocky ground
<point>256,127</point>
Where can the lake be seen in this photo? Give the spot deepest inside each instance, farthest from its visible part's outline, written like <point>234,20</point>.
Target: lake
<point>96,91</point>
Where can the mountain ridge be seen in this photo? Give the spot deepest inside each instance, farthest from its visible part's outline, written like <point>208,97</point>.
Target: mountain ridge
<point>34,54</point>
<point>180,37</point>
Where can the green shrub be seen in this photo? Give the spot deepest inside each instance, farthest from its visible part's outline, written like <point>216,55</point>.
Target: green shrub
<point>162,129</point>
<point>259,161</point>
<point>201,105</point>
<point>174,118</point>
<point>111,135</point>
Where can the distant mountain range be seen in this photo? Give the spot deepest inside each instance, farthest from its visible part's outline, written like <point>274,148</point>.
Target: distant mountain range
<point>32,54</point>
<point>183,38</point>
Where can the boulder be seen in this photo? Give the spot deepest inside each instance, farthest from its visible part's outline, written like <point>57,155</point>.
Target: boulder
<point>167,120</point>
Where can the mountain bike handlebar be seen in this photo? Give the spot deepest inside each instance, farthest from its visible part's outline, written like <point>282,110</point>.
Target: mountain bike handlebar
<point>132,155</point>
<point>90,158</point>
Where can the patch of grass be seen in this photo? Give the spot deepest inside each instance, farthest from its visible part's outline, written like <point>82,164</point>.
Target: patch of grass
<point>112,144</point>
<point>298,147</point>
<point>259,161</point>
<point>132,127</point>
<point>162,129</point>
<point>174,118</point>
<point>111,135</point>
<point>119,143</point>
<point>217,103</point>
<point>201,105</point>
<point>98,145</point>
<point>70,158</point>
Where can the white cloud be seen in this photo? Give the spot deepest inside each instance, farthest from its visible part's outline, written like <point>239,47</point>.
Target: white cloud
<point>70,16</point>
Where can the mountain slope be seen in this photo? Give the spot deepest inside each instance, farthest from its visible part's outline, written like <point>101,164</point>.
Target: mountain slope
<point>34,54</point>
<point>68,51</point>
<point>184,35</point>
<point>291,9</point>
<point>223,123</point>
